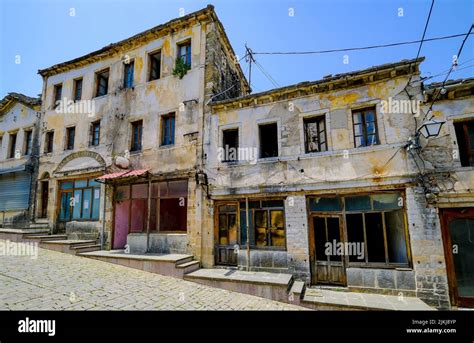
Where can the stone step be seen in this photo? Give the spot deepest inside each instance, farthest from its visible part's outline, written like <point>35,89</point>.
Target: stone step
<point>42,238</point>
<point>65,245</point>
<point>17,235</point>
<point>86,248</point>
<point>189,267</point>
<point>273,286</point>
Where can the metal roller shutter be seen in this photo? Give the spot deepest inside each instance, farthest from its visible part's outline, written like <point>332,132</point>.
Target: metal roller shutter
<point>14,191</point>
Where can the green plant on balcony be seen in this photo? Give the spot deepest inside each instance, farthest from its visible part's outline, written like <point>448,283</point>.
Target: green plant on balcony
<point>180,68</point>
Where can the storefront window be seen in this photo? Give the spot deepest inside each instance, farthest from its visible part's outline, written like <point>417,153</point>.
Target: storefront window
<point>80,200</point>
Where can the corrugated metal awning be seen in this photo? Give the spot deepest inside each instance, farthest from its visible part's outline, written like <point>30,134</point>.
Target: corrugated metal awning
<point>122,175</point>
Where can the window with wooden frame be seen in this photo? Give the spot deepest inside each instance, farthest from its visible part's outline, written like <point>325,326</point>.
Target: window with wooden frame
<point>77,89</point>
<point>365,127</point>
<point>230,144</point>
<point>102,83</point>
<point>465,138</point>
<point>70,137</point>
<point>154,66</point>
<point>48,142</point>
<point>315,134</point>
<point>80,200</point>
<point>95,133</point>
<point>167,129</point>
<point>58,90</point>
<point>12,145</point>
<point>268,135</point>
<point>128,72</point>
<point>137,131</point>
<point>28,145</point>
<point>184,52</point>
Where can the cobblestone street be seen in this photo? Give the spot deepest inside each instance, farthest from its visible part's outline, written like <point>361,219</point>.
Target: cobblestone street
<point>57,281</point>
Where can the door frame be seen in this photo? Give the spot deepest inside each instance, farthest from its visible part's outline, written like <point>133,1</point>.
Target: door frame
<point>312,247</point>
<point>446,216</point>
<point>218,246</point>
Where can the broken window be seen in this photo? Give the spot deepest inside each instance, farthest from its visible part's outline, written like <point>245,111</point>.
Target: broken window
<point>315,134</point>
<point>128,74</point>
<point>95,133</point>
<point>102,80</point>
<point>70,137</point>
<point>28,134</point>
<point>137,130</point>
<point>365,127</point>
<point>155,66</point>
<point>77,89</point>
<point>48,142</point>
<point>465,137</point>
<point>58,90</point>
<point>268,140</point>
<point>167,129</point>
<point>230,144</point>
<point>184,52</point>
<point>12,147</point>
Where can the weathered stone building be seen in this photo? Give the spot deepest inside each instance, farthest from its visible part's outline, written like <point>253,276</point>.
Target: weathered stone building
<point>19,128</point>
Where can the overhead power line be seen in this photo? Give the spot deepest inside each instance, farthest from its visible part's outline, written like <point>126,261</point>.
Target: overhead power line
<point>360,48</point>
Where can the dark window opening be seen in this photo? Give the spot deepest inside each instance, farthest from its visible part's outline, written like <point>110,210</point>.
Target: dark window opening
<point>102,80</point>
<point>155,66</point>
<point>28,142</point>
<point>230,144</point>
<point>77,89</point>
<point>137,130</point>
<point>184,53</point>
<point>12,147</point>
<point>128,74</point>
<point>48,145</point>
<point>70,137</point>
<point>58,90</point>
<point>465,138</point>
<point>365,127</point>
<point>167,129</point>
<point>95,133</point>
<point>315,134</point>
<point>268,140</point>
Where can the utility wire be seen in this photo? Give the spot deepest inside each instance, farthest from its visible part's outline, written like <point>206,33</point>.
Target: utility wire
<point>267,75</point>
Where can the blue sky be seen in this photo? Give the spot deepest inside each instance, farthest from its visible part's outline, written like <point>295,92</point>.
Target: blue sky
<point>43,33</point>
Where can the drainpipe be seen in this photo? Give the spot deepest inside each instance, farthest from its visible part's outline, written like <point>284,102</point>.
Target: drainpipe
<point>102,230</point>
<point>248,231</point>
<point>148,215</point>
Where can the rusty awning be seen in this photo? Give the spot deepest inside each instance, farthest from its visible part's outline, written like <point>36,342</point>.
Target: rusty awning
<point>123,174</point>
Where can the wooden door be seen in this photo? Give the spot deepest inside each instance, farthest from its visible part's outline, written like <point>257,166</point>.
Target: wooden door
<point>226,234</point>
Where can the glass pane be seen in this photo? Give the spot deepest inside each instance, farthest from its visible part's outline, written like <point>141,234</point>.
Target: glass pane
<point>223,230</point>
<point>227,208</point>
<point>138,215</point>
<point>462,237</point>
<point>358,203</point>
<point>87,204</point>
<point>355,234</point>
<point>67,185</point>
<point>371,140</point>
<point>232,222</point>
<point>387,201</point>
<point>261,224</point>
<point>65,206</point>
<point>277,229</point>
<point>252,204</point>
<point>163,189</point>
<point>80,183</point>
<point>96,203</point>
<point>325,204</point>
<point>178,188</point>
<point>76,213</point>
<point>357,118</point>
<point>371,128</point>
<point>320,238</point>
<point>93,183</point>
<point>375,240</point>
<point>369,116</point>
<point>140,191</point>
<point>396,242</point>
<point>122,193</point>
<point>173,215</point>
<point>243,227</point>
<point>334,238</point>
<point>358,130</point>
<point>272,203</point>
<point>359,141</point>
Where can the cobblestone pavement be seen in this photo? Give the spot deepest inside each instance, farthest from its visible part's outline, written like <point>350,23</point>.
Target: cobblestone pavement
<point>57,281</point>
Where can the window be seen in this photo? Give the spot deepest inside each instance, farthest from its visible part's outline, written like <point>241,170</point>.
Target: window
<point>365,127</point>
<point>12,146</point>
<point>102,86</point>
<point>137,130</point>
<point>230,144</point>
<point>58,90</point>
<point>48,142</point>
<point>167,129</point>
<point>1,142</point>
<point>28,141</point>
<point>465,138</point>
<point>77,89</point>
<point>315,134</point>
<point>70,136</point>
<point>128,74</point>
<point>266,224</point>
<point>184,52</point>
<point>80,200</point>
<point>268,140</point>
<point>155,66</point>
<point>95,133</point>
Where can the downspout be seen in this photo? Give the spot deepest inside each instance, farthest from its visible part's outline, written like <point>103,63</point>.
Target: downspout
<point>148,215</point>
<point>102,230</point>
<point>248,231</point>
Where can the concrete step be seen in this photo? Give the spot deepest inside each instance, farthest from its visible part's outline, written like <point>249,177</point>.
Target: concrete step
<point>273,286</point>
<point>43,238</point>
<point>65,245</point>
<point>16,235</point>
<point>85,248</point>
<point>164,264</point>
<point>189,267</point>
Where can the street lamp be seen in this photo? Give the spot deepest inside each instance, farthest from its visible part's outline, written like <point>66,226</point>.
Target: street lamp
<point>431,128</point>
